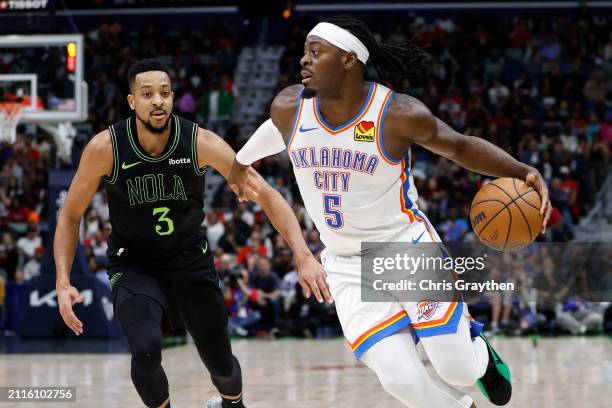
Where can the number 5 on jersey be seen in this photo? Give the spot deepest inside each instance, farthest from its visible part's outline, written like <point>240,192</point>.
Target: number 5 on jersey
<point>169,224</point>
<point>331,206</point>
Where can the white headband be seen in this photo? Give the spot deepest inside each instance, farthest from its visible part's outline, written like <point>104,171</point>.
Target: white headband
<point>342,39</point>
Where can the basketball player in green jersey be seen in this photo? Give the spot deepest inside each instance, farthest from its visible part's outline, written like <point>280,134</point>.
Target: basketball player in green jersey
<point>320,123</point>
<point>153,167</point>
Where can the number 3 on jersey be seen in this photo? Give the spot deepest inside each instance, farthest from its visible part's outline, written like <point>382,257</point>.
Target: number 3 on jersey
<point>163,219</point>
<point>333,216</point>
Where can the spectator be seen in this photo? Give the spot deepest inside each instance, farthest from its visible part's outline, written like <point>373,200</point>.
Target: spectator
<point>92,223</point>
<point>572,188</point>
<point>595,87</point>
<point>214,229</point>
<point>268,287</point>
<point>498,92</point>
<point>99,272</point>
<point>531,156</point>
<point>238,299</point>
<point>578,316</point>
<point>227,243</point>
<point>283,265</point>
<point>455,228</point>
<point>9,257</point>
<point>224,266</point>
<point>560,198</point>
<point>599,160</point>
<point>19,277</point>
<point>314,243</point>
<point>187,104</point>
<point>216,108</point>
<point>103,96</point>
<point>26,246</point>
<point>31,269</point>
<point>18,212</point>
<point>501,304</point>
<point>592,128</point>
<point>551,49</point>
<point>255,247</point>
<point>608,49</point>
<point>100,245</point>
<point>520,35</point>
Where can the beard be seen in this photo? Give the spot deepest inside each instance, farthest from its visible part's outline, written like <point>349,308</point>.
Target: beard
<point>308,93</point>
<point>155,130</point>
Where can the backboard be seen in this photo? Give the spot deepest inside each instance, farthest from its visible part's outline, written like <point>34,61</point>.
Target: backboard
<point>44,73</point>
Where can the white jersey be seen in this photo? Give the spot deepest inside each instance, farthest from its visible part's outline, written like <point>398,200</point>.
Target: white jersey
<point>352,189</point>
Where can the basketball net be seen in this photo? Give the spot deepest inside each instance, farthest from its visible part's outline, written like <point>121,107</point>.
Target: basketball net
<point>10,114</point>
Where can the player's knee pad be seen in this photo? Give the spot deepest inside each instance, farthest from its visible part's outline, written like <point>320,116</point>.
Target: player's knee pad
<point>145,345</point>
<point>147,356</point>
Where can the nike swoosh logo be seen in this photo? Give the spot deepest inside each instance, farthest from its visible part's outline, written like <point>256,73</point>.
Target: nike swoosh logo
<point>205,248</point>
<point>127,166</point>
<point>302,130</point>
<point>414,241</point>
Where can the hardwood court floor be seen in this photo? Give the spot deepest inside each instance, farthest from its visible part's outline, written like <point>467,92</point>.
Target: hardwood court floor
<point>558,373</point>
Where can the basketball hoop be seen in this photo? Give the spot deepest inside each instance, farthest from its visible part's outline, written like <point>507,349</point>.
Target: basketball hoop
<point>10,114</point>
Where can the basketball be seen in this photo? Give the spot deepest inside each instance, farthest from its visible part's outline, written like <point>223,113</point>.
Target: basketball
<point>505,214</point>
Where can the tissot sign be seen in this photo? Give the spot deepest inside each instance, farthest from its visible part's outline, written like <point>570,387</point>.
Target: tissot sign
<point>23,5</point>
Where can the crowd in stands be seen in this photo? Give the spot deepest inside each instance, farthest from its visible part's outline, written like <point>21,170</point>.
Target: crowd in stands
<point>539,88</point>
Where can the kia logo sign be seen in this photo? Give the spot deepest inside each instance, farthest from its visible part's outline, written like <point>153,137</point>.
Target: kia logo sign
<point>49,299</point>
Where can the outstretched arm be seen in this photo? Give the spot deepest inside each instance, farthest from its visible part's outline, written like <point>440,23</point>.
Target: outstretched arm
<point>213,151</point>
<point>96,161</point>
<point>409,121</point>
<point>311,273</point>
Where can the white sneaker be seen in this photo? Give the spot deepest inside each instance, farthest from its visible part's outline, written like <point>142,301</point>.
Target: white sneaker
<point>214,402</point>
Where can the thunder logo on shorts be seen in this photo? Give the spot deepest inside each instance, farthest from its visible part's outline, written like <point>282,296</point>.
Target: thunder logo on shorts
<point>426,309</point>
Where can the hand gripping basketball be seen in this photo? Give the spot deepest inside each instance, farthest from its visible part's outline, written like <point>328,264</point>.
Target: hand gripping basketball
<point>508,214</point>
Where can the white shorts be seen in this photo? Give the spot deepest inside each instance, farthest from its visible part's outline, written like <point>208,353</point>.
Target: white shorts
<point>366,323</point>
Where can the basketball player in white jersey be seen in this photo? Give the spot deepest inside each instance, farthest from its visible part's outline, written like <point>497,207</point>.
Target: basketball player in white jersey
<point>349,143</point>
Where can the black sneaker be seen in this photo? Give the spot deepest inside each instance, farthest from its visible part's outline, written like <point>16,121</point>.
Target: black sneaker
<point>496,383</point>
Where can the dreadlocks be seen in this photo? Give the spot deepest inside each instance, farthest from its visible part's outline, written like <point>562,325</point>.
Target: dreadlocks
<point>393,63</point>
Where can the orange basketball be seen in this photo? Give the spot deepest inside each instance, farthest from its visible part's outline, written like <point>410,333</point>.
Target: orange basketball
<point>505,214</point>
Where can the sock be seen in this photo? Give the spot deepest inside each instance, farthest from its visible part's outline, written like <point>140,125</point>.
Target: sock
<point>228,403</point>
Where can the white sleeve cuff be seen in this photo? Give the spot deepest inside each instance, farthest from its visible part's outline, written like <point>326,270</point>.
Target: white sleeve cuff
<point>266,141</point>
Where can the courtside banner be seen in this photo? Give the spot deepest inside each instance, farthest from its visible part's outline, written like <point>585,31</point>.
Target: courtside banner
<point>40,315</point>
<point>542,273</point>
